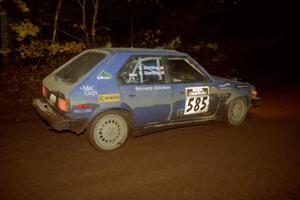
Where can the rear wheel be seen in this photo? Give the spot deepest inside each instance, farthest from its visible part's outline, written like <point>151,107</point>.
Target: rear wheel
<point>237,111</point>
<point>109,131</point>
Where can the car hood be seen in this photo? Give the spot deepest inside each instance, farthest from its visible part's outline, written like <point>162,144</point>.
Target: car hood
<point>228,82</point>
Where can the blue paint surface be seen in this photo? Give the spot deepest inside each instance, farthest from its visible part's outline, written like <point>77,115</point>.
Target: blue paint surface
<point>149,104</point>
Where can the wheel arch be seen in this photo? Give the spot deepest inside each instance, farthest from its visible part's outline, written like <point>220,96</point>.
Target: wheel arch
<point>102,111</point>
<point>234,97</point>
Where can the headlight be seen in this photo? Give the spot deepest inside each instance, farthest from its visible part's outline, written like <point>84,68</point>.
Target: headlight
<point>254,92</point>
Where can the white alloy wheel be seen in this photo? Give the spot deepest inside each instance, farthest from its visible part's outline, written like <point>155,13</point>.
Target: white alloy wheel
<point>108,131</point>
<point>237,111</point>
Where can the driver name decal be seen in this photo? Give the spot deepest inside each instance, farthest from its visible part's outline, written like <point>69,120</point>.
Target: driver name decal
<point>197,100</point>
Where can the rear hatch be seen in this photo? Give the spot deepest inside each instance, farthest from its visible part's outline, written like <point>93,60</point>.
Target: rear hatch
<point>57,84</point>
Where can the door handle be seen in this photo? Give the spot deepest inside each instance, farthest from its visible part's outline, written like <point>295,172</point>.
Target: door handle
<point>132,95</point>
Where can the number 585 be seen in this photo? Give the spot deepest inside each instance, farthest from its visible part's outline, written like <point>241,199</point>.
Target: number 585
<point>197,104</point>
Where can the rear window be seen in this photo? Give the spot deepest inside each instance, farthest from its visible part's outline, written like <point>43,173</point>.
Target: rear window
<point>80,66</point>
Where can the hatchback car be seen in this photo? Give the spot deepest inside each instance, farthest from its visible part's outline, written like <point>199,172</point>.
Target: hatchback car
<point>117,91</point>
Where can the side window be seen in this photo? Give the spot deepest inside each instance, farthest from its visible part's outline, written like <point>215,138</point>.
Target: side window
<point>183,71</point>
<point>143,70</point>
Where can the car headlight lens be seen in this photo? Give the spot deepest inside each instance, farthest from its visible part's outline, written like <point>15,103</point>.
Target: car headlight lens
<point>254,92</point>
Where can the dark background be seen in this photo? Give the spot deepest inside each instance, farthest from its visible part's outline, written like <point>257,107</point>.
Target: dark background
<point>256,38</point>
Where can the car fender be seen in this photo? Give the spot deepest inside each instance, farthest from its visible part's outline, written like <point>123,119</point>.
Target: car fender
<point>226,96</point>
<point>235,96</point>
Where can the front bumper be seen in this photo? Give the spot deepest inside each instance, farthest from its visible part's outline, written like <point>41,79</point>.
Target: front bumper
<point>255,101</point>
<point>56,120</point>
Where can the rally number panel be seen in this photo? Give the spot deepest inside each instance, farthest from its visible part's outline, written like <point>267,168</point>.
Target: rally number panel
<point>196,100</point>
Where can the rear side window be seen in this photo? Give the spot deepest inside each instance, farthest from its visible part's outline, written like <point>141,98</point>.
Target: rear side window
<point>143,70</point>
<point>80,66</point>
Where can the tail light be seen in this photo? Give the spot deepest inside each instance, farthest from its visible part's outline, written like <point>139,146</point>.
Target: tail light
<point>63,104</point>
<point>254,92</point>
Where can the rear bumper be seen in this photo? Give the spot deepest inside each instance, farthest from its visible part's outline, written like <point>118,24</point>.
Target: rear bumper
<point>255,101</point>
<point>56,120</point>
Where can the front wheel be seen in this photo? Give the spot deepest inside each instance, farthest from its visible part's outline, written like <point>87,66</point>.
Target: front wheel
<point>109,131</point>
<point>237,111</point>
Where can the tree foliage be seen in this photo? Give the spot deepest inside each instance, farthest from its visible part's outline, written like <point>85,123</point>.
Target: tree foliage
<point>21,6</point>
<point>26,43</point>
<point>33,49</point>
<point>48,29</point>
<point>24,29</point>
<point>40,49</point>
<point>68,47</point>
<point>174,43</point>
<point>151,38</point>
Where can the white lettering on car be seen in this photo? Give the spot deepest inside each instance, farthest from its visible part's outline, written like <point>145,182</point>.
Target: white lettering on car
<point>152,88</point>
<point>80,111</point>
<point>147,88</point>
<point>225,85</point>
<point>88,90</point>
<point>162,87</point>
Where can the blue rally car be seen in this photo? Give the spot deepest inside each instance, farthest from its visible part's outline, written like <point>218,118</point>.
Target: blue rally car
<point>117,91</point>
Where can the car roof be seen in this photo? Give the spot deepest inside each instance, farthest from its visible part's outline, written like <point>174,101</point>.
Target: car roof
<point>139,51</point>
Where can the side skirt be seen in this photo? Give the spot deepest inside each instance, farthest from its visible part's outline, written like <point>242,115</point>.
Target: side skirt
<point>136,132</point>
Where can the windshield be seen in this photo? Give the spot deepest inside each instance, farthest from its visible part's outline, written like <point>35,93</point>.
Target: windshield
<point>80,66</point>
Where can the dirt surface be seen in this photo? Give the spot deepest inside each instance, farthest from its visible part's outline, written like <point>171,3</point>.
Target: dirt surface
<point>257,160</point>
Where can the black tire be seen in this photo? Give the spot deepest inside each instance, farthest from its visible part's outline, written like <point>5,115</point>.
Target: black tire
<point>109,130</point>
<point>236,111</point>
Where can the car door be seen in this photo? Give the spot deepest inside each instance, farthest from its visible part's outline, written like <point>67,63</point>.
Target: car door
<point>194,95</point>
<point>145,90</point>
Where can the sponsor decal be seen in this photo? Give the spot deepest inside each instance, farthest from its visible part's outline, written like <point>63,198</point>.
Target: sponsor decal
<point>104,75</point>
<point>144,88</point>
<point>152,88</point>
<point>88,90</point>
<point>162,87</point>
<point>133,75</point>
<point>225,85</point>
<point>80,111</point>
<point>180,112</point>
<point>109,98</point>
<point>243,86</point>
<point>197,100</point>
<point>196,91</point>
